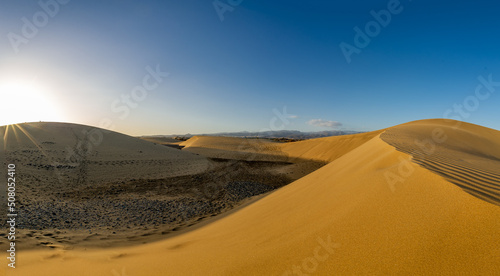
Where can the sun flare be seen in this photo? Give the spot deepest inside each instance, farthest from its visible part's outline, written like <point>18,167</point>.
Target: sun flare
<point>26,101</point>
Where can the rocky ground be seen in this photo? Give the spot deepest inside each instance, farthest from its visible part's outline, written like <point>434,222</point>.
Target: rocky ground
<point>136,210</point>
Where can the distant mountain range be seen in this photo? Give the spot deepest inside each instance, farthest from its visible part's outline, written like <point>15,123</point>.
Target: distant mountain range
<point>290,134</point>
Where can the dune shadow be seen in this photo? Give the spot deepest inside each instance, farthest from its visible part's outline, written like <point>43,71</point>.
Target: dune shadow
<point>474,172</point>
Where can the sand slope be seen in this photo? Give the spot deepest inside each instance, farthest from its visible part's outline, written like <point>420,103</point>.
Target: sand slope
<point>326,149</point>
<point>370,211</point>
<point>466,155</point>
<point>107,155</point>
<point>161,140</point>
<point>250,149</point>
<point>62,170</point>
<point>320,149</point>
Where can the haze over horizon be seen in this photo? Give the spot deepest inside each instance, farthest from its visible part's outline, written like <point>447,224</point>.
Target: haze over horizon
<point>165,67</point>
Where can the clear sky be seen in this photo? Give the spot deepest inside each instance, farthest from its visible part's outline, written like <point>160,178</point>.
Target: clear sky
<point>236,65</point>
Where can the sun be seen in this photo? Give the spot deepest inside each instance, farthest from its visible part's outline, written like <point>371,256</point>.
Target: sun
<point>26,101</point>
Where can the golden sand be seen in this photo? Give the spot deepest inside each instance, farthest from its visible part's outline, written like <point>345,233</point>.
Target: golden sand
<point>371,210</point>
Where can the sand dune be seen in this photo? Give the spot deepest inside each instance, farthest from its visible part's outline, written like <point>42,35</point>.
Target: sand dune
<point>466,155</point>
<point>88,187</point>
<point>326,149</point>
<point>253,149</point>
<point>108,153</point>
<point>161,140</point>
<point>383,205</point>
<point>235,148</point>
<point>321,149</point>
<point>79,177</point>
<point>166,141</point>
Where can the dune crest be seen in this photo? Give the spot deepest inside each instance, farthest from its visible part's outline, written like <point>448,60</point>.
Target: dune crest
<point>343,219</point>
<point>464,154</point>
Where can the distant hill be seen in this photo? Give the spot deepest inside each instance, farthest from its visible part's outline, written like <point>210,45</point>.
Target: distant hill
<point>291,134</point>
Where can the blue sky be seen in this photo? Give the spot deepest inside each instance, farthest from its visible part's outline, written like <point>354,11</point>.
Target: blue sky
<point>230,74</point>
